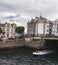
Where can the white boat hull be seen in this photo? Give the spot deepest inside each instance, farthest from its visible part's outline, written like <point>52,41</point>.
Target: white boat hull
<point>42,52</point>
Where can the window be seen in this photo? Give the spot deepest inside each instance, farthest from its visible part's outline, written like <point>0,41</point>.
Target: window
<point>54,31</point>
<point>47,26</point>
<point>47,30</point>
<point>7,35</point>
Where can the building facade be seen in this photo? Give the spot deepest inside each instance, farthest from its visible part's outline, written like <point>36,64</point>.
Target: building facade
<point>8,29</point>
<point>41,26</point>
<point>31,27</point>
<point>55,28</point>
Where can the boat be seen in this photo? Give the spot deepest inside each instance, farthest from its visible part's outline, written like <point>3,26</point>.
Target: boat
<point>42,52</point>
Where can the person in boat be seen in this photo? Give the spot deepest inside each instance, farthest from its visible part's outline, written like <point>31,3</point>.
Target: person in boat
<point>36,51</point>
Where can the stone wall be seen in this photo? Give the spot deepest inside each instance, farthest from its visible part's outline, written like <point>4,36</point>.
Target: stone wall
<point>21,42</point>
<point>35,44</point>
<point>11,43</point>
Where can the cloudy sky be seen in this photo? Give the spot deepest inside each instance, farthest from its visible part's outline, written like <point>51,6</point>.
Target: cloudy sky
<point>20,11</point>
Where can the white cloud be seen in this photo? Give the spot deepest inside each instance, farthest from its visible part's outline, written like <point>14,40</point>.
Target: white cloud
<point>20,11</point>
<point>9,14</point>
<point>25,17</point>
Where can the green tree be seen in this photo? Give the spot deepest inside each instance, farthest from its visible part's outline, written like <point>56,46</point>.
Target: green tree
<point>0,30</point>
<point>19,29</point>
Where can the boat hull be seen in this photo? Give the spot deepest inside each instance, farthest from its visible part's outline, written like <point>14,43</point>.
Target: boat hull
<point>42,52</point>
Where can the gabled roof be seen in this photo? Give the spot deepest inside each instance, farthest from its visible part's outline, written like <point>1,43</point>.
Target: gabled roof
<point>41,19</point>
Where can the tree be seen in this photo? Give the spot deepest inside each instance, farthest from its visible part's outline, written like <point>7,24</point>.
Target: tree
<point>19,29</point>
<point>0,32</point>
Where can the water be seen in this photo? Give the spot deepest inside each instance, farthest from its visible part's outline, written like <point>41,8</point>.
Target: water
<point>23,56</point>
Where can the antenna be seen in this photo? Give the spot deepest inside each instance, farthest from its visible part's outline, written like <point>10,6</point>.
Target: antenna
<point>40,15</point>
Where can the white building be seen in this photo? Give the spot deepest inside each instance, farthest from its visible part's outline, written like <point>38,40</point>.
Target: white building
<point>41,27</point>
<point>55,28</point>
<point>8,29</point>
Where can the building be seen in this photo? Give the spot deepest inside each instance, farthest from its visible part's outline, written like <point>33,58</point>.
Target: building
<point>40,26</point>
<point>8,29</point>
<point>55,28</point>
<point>31,27</point>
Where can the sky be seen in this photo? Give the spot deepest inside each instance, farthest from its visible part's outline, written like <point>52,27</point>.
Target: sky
<point>21,11</point>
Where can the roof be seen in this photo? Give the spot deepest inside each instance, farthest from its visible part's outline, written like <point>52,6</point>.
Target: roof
<point>2,25</point>
<point>39,19</point>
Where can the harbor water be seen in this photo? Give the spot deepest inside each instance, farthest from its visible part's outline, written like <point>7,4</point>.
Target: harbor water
<point>23,56</point>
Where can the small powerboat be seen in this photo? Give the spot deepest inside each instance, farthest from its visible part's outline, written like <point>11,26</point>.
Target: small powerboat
<point>42,52</point>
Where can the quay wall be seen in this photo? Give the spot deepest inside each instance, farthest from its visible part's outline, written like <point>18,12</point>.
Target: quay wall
<point>43,44</point>
<point>33,44</point>
<point>19,43</point>
<point>11,43</point>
